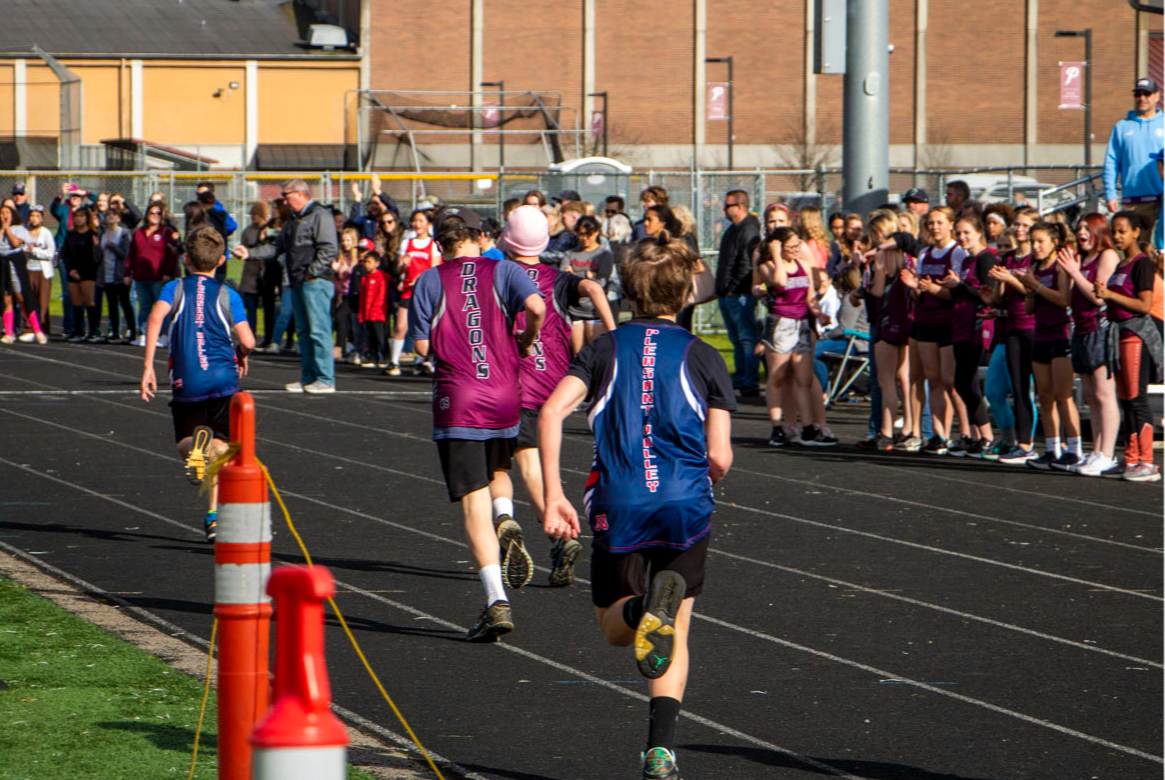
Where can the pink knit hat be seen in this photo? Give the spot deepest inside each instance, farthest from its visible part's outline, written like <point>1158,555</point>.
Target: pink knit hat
<point>526,234</point>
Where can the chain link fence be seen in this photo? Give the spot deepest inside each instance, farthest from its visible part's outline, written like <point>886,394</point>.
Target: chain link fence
<point>700,191</point>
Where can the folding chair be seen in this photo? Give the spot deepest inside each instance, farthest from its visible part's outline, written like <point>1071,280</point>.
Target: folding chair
<point>845,376</point>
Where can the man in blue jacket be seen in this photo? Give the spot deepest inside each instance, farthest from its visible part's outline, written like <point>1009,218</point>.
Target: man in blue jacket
<point>1129,158</point>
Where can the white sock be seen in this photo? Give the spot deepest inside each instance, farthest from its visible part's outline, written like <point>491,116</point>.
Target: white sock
<point>503,506</point>
<point>397,346</point>
<point>1053,445</point>
<point>491,580</point>
<point>1075,446</point>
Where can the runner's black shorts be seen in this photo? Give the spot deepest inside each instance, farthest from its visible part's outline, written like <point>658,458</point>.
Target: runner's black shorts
<point>1089,351</point>
<point>528,430</point>
<point>1045,352</point>
<point>616,575</point>
<point>470,465</point>
<point>215,413</point>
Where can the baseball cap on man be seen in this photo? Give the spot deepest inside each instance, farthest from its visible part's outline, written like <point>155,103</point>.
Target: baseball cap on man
<point>1146,84</point>
<point>18,189</point>
<point>915,195</point>
<point>566,195</point>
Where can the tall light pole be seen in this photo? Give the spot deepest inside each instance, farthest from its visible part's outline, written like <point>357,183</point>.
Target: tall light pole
<point>602,95</point>
<point>727,60</point>
<point>501,85</point>
<point>1087,36</point>
<point>866,134</point>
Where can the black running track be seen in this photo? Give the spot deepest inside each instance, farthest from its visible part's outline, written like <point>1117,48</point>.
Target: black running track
<point>894,617</point>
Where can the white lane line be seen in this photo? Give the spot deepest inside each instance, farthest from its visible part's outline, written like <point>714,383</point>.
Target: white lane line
<point>974,515</point>
<point>941,551</point>
<point>881,673</point>
<point>175,630</point>
<point>445,539</point>
<point>720,727</point>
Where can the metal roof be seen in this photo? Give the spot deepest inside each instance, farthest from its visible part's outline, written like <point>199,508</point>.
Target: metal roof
<point>157,28</point>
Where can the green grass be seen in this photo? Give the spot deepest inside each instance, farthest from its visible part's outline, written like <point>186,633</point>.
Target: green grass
<point>82,703</point>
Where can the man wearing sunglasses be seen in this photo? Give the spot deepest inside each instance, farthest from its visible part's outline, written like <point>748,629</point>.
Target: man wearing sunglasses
<point>1131,146</point>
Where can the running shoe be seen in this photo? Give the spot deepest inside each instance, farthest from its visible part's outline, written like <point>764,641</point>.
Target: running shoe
<point>909,444</point>
<point>792,435</point>
<point>26,338</point>
<point>936,445</point>
<point>294,387</point>
<point>979,448</point>
<point>76,338</point>
<point>1116,470</point>
<point>655,638</point>
<point>355,360</point>
<point>210,526</point>
<point>883,443</point>
<point>1094,465</point>
<point>496,619</point>
<point>392,370</point>
<point>319,388</point>
<point>199,454</point>
<point>660,764</point>
<point>868,444</point>
<point>961,448</point>
<point>1017,456</point>
<point>996,450</point>
<point>163,341</point>
<point>1066,462</point>
<point>1143,472</point>
<point>564,554</point>
<point>778,438</point>
<point>94,338</point>
<point>517,565</point>
<point>812,436</point>
<point>1043,462</point>
<point>42,338</point>
<point>140,341</point>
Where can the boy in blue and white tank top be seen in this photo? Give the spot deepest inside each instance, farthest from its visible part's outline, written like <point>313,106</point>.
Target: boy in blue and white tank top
<point>660,400</point>
<point>205,364</point>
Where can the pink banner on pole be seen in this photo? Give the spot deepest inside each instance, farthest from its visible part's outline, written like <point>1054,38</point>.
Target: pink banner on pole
<point>717,101</point>
<point>491,115</point>
<point>597,122</point>
<point>1072,84</point>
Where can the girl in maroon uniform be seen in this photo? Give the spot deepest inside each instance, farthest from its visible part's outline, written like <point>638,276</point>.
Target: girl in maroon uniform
<point>1020,338</point>
<point>1047,298</point>
<point>971,333</point>
<point>895,314</point>
<point>1134,345</point>
<point>930,335</point>
<point>1096,263</point>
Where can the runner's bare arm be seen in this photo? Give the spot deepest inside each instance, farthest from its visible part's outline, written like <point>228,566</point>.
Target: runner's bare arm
<point>560,519</point>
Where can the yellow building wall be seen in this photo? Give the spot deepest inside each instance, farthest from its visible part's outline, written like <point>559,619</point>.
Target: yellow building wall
<point>297,105</point>
<point>180,108</point>
<point>44,100</point>
<point>7,99</point>
<point>100,109</point>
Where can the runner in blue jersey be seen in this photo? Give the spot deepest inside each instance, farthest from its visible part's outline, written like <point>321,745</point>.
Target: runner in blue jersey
<point>205,365</point>
<point>660,400</point>
<point>462,312</point>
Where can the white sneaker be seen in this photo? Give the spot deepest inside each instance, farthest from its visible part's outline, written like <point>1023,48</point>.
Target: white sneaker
<point>41,338</point>
<point>7,339</point>
<point>1096,465</point>
<point>1075,468</point>
<point>140,341</point>
<point>26,338</point>
<point>163,341</point>
<point>319,388</point>
<point>294,387</point>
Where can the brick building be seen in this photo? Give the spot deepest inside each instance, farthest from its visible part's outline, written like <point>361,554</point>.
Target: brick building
<point>971,83</point>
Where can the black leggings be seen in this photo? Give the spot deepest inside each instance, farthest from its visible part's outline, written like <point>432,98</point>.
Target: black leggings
<point>967,357</point>
<point>118,295</point>
<point>1019,365</point>
<point>342,321</point>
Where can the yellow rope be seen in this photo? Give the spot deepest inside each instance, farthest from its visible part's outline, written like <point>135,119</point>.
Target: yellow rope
<point>351,637</point>
<point>205,695</point>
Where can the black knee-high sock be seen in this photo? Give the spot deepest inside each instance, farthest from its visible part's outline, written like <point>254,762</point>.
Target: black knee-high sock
<point>665,712</point>
<point>94,320</point>
<point>633,611</point>
<point>78,320</point>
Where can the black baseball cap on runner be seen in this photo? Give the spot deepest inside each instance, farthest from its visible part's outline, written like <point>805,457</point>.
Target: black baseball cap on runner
<point>916,195</point>
<point>469,218</point>
<point>1146,84</point>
